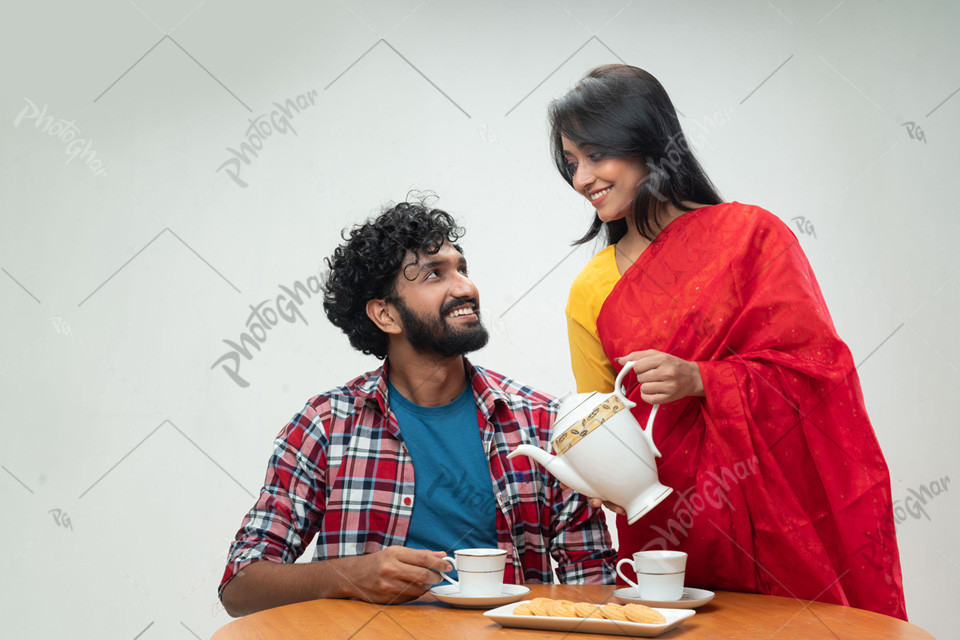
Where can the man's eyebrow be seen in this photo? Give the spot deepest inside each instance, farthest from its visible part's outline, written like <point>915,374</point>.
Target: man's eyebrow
<point>431,264</point>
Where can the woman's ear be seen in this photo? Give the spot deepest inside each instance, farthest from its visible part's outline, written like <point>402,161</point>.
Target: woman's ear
<point>384,315</point>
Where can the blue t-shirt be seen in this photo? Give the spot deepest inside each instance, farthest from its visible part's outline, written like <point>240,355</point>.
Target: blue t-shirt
<point>454,506</point>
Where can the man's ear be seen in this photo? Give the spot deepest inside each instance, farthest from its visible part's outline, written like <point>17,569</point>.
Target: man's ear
<point>384,315</point>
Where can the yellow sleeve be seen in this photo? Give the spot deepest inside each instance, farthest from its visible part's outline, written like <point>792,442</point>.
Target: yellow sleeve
<point>591,368</point>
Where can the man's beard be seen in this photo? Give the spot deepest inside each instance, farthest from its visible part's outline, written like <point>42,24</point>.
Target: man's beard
<point>436,337</point>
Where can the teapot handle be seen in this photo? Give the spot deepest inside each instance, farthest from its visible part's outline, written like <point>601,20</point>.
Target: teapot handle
<point>619,390</point>
<point>618,385</point>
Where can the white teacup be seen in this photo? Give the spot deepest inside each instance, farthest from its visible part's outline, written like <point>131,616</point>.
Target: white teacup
<point>659,574</point>
<point>480,571</point>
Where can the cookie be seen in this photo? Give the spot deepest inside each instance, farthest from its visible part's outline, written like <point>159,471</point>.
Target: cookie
<point>538,606</point>
<point>523,609</point>
<point>587,610</point>
<point>561,609</point>
<point>614,612</point>
<point>643,613</point>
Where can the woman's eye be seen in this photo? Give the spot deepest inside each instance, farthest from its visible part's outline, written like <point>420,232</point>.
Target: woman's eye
<point>595,156</point>
<point>571,168</point>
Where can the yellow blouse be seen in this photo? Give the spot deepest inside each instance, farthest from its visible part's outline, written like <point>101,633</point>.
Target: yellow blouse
<point>591,366</point>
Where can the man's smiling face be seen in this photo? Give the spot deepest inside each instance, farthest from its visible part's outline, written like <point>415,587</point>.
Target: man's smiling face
<point>438,304</point>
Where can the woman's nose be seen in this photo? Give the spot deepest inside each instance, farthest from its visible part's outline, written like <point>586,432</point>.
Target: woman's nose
<point>582,177</point>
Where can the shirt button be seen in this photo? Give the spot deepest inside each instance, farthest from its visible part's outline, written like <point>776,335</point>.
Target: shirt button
<point>407,501</point>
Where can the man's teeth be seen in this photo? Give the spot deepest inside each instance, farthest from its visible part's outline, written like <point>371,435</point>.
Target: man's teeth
<point>594,196</point>
<point>465,311</point>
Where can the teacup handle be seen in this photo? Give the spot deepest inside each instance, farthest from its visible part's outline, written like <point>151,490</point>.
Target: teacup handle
<point>453,563</point>
<point>648,431</point>
<point>625,578</point>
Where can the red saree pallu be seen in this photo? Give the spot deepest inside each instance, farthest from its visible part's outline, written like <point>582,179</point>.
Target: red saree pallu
<point>779,483</point>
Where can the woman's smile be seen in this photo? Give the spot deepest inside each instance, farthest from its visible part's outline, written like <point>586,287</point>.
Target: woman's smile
<point>610,183</point>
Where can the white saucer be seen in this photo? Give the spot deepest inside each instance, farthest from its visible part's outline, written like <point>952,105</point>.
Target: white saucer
<point>691,598</point>
<point>451,595</point>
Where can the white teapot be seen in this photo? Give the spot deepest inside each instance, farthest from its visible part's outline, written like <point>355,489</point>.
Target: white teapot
<point>602,452</point>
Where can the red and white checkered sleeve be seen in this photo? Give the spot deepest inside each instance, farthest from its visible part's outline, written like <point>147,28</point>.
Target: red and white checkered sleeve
<point>291,503</point>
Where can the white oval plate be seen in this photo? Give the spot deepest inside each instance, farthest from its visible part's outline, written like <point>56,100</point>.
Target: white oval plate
<point>690,599</point>
<point>451,595</point>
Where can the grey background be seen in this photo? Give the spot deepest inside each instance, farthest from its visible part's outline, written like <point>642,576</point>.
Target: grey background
<point>122,277</point>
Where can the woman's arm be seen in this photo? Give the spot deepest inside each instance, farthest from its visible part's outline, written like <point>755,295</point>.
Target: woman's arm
<point>591,366</point>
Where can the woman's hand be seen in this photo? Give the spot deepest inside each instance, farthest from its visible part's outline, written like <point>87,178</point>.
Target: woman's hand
<point>663,377</point>
<point>596,503</point>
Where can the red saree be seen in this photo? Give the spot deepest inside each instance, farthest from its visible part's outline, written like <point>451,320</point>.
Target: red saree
<point>779,483</point>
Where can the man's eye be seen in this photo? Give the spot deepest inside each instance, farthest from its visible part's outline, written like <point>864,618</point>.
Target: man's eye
<point>433,273</point>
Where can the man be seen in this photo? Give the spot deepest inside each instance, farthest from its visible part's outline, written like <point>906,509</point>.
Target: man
<point>407,463</point>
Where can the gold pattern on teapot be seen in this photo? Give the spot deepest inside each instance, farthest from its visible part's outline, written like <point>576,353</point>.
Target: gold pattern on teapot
<point>579,430</point>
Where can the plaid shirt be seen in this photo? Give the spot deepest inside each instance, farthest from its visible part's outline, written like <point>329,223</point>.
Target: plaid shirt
<point>340,471</point>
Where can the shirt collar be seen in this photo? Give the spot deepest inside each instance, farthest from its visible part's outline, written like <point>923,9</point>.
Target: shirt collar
<point>374,388</point>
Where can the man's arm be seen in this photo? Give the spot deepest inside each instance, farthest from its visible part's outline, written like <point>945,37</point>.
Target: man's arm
<point>579,540</point>
<point>389,576</point>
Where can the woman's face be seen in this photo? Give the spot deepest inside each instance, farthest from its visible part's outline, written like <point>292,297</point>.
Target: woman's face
<point>609,183</point>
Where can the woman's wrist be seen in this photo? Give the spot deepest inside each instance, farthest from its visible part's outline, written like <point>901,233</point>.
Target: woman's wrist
<point>697,381</point>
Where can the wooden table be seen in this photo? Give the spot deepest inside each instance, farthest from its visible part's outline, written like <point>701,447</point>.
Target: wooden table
<point>728,615</point>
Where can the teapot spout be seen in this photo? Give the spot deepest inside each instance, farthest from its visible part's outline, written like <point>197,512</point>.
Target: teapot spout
<point>557,467</point>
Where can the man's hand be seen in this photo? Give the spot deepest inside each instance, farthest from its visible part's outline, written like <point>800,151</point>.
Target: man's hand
<point>391,575</point>
<point>663,377</point>
<point>395,574</point>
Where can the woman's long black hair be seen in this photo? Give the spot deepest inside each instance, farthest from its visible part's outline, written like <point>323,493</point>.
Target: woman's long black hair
<point>623,111</point>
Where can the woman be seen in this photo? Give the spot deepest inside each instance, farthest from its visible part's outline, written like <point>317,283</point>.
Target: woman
<point>779,483</point>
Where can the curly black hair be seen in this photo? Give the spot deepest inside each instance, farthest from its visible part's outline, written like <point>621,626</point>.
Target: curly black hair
<point>365,267</point>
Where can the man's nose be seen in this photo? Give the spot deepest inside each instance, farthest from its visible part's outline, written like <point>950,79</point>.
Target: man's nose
<point>464,288</point>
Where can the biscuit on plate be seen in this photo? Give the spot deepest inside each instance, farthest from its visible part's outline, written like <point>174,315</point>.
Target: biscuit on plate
<point>587,610</point>
<point>561,609</point>
<point>642,613</point>
<point>614,612</point>
<point>538,606</point>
